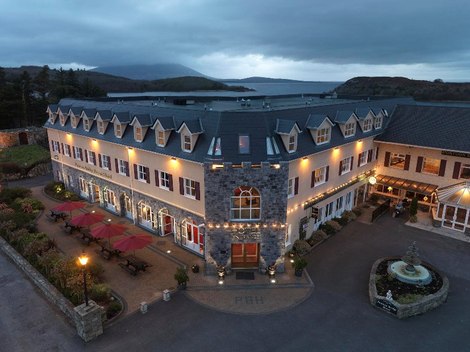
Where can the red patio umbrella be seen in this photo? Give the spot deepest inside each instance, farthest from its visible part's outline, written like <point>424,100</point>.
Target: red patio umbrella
<point>87,219</point>
<point>133,242</point>
<point>69,206</point>
<point>108,230</point>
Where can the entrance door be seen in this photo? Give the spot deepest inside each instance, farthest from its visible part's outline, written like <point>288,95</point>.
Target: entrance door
<point>245,255</point>
<point>23,138</point>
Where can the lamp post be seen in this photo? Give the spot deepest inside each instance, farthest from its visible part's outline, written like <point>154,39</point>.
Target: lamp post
<point>83,259</point>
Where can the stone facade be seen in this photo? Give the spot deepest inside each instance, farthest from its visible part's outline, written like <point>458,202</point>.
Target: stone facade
<point>269,231</point>
<point>19,136</point>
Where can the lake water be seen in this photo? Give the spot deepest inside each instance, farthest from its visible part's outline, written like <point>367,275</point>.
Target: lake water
<point>261,89</point>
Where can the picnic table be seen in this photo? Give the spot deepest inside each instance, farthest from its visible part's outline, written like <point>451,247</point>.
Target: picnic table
<point>71,228</point>
<point>133,265</point>
<point>87,237</point>
<point>107,252</point>
<point>56,215</point>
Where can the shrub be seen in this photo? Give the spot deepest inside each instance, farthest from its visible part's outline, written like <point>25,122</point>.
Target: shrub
<point>328,229</point>
<point>414,206</point>
<point>8,195</point>
<point>301,247</point>
<point>38,243</point>
<point>408,298</point>
<point>299,264</point>
<point>100,293</point>
<point>317,237</point>
<point>47,261</point>
<point>357,211</point>
<point>57,190</point>
<point>34,204</point>
<point>335,225</point>
<point>113,308</point>
<point>342,221</point>
<point>349,215</point>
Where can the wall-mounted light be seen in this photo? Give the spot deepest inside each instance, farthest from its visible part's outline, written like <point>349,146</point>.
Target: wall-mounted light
<point>304,158</point>
<point>173,158</point>
<point>336,148</point>
<point>277,166</point>
<point>372,180</point>
<point>359,141</point>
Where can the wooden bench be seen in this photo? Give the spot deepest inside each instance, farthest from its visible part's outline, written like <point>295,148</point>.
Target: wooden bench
<point>129,268</point>
<point>107,252</point>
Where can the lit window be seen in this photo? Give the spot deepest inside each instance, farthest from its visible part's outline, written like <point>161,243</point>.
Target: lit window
<point>320,175</point>
<point>138,134</point>
<point>244,144</point>
<point>100,127</point>
<point>345,165</point>
<point>187,143</point>
<point>363,158</point>
<point>431,166</point>
<point>86,124</point>
<point>465,171</point>
<point>189,188</point>
<point>245,204</point>
<point>292,143</point>
<point>367,125</point>
<point>161,138</point>
<point>291,187</point>
<point>117,130</point>
<point>323,135</point>
<point>378,122</point>
<point>397,161</point>
<point>349,129</point>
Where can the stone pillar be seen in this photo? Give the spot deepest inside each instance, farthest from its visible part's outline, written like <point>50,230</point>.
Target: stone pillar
<point>88,320</point>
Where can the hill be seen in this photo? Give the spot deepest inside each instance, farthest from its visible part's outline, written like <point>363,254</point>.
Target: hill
<point>401,86</point>
<point>261,80</point>
<point>149,72</point>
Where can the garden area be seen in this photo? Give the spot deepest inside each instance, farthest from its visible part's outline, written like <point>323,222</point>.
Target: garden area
<point>21,159</point>
<point>18,214</point>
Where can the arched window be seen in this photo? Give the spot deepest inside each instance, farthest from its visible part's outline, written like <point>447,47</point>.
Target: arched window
<point>245,204</point>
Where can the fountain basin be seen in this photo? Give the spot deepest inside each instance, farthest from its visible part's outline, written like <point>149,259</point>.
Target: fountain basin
<point>419,276</point>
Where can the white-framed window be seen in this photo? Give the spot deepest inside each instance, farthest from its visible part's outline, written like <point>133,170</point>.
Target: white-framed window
<point>70,180</point>
<point>320,175</point>
<point>86,124</point>
<point>245,204</point>
<point>142,173</point>
<point>62,119</point>
<point>244,144</point>
<point>138,134</point>
<point>110,197</point>
<point>363,158</point>
<point>292,143</point>
<point>187,145</point>
<point>329,209</point>
<point>123,167</point>
<point>55,147</point>
<point>161,138</point>
<point>82,185</point>
<point>189,188</point>
<point>350,129</point>
<point>367,125</point>
<point>76,153</point>
<point>100,127</point>
<point>345,165</point>
<point>339,203</point>
<point>348,199</point>
<point>289,235</point>
<point>105,162</point>
<point>117,130</point>
<point>291,187</point>
<point>397,161</point>
<point>164,180</point>
<point>431,166</point>
<point>91,157</point>
<point>67,150</point>
<point>145,212</point>
<point>465,171</point>
<point>323,135</point>
<point>378,122</point>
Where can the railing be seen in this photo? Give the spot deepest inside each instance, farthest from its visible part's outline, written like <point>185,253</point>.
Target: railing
<point>380,210</point>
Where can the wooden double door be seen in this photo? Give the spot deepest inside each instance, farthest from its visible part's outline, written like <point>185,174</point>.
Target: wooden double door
<point>245,255</point>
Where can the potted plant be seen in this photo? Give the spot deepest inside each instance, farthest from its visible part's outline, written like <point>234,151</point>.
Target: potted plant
<point>181,276</point>
<point>195,268</point>
<point>299,265</point>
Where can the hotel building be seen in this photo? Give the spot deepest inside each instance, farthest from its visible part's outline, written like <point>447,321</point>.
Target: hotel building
<point>237,182</point>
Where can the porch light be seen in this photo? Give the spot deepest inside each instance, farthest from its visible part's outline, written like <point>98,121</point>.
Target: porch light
<point>168,251</point>
<point>390,188</point>
<point>221,274</point>
<point>173,158</point>
<point>372,180</point>
<point>425,198</point>
<point>273,280</point>
<point>304,158</point>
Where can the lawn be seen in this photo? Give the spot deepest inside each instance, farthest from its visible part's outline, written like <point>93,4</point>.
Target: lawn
<point>24,155</point>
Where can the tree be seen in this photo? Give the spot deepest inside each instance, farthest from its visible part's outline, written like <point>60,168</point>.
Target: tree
<point>414,206</point>
<point>42,82</point>
<point>26,91</point>
<point>2,77</point>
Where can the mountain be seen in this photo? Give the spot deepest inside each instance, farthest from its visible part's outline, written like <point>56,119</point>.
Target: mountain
<point>262,80</point>
<point>149,72</point>
<point>402,86</point>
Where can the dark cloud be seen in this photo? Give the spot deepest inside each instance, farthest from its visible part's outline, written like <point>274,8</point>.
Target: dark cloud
<point>367,32</point>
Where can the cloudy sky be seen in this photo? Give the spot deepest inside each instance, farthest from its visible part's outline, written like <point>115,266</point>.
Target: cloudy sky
<point>307,40</point>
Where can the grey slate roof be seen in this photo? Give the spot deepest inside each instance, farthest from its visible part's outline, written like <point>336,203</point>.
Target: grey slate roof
<point>315,120</point>
<point>105,115</point>
<point>123,116</point>
<point>285,126</point>
<point>144,119</point>
<point>361,113</point>
<point>90,113</point>
<point>167,122</point>
<point>343,116</point>
<point>77,110</point>
<point>227,125</point>
<point>439,127</point>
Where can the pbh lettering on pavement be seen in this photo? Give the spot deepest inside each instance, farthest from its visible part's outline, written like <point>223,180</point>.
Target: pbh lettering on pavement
<point>249,300</point>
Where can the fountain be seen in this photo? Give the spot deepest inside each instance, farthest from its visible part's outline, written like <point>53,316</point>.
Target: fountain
<point>409,269</point>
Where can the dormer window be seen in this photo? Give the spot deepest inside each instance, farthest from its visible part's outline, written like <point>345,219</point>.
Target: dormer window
<point>244,144</point>
<point>378,122</point>
<point>349,129</point>
<point>367,125</point>
<point>161,138</point>
<point>86,124</point>
<point>138,133</point>
<point>73,121</point>
<point>118,130</point>
<point>100,127</point>
<point>62,119</point>
<point>292,143</point>
<point>323,135</point>
<point>187,145</point>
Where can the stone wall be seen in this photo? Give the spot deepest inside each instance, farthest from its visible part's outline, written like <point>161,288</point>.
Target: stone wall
<point>407,310</point>
<point>29,135</point>
<point>269,231</point>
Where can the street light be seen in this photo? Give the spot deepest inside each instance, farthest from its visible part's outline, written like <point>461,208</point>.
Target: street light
<point>83,259</point>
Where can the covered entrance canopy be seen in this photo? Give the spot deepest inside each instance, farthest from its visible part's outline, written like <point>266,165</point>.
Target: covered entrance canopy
<point>454,206</point>
<point>408,185</point>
